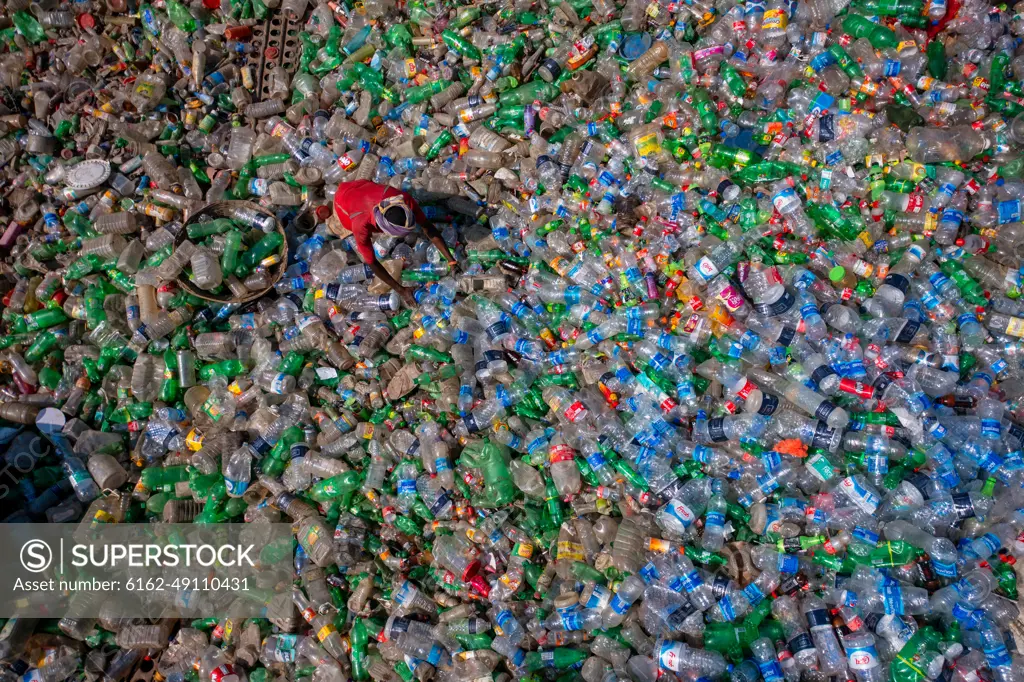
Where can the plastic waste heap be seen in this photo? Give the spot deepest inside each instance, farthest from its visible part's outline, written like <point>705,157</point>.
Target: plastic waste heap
<point>727,384</point>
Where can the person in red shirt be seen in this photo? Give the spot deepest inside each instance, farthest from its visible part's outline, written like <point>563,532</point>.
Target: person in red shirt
<point>366,208</point>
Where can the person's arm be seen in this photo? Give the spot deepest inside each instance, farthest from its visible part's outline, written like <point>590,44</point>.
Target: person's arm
<point>364,245</point>
<point>437,240</point>
<point>386,277</point>
<point>429,229</point>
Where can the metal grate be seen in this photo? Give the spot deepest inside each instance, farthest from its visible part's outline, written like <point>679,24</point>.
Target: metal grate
<point>256,59</point>
<point>292,48</point>
<point>281,47</point>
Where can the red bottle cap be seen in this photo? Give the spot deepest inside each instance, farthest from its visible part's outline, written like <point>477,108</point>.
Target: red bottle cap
<point>470,571</point>
<point>480,585</point>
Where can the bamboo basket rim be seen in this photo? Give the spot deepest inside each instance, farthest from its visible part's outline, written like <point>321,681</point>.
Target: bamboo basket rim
<point>220,209</point>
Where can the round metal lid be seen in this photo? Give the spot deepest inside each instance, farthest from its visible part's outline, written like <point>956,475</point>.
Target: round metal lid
<point>88,174</point>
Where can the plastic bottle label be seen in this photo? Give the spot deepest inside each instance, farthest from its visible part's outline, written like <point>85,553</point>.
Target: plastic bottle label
<point>570,550</point>
<point>771,671</point>
<point>596,460</point>
<point>470,421</point>
<point>963,506</point>
<point>991,429</point>
<point>801,642</point>
<point>502,622</point>
<point>996,655</point>
<point>867,501</point>
<point>774,20</point>
<point>649,573</point>
<point>818,619</point>
<point>716,430</point>
<point>443,500</point>
<point>706,268</point>
<point>278,384</point>
<point>892,600</point>
<point>670,656</point>
<point>680,512</point>
<point>497,329</point>
<point>646,145</point>
<point>862,657</point>
<point>825,408</point>
<point>1008,211</point>
<point>571,620</point>
<point>754,594</point>
<point>406,594</point>
<point>435,654</point>
<point>898,281</point>
<point>866,536</point>
<point>235,488</point>
<point>618,605</point>
<point>769,403</point>
<point>943,568</point>
<point>788,563</point>
<point>820,467</point>
<point>778,308</point>
<point>573,412</point>
<point>690,581</point>
<point>726,608</point>
<point>908,332</point>
<point>599,598</point>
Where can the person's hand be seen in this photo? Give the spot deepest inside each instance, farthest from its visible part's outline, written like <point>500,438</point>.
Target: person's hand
<point>451,264</point>
<point>406,294</point>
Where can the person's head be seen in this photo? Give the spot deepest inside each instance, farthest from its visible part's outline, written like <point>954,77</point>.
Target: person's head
<point>394,217</point>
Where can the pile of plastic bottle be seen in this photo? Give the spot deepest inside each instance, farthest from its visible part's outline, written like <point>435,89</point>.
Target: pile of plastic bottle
<point>727,383</point>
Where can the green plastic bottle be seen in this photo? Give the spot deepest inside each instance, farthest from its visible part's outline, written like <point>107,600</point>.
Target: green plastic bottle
<point>879,36</point>
<point>559,659</point>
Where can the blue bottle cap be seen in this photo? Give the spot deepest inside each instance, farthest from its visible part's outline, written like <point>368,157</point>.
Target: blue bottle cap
<point>634,45</point>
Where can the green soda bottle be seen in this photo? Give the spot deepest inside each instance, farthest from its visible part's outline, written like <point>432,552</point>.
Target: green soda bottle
<point>417,94</point>
<point>224,368</point>
<point>336,486</point>
<point>733,80</point>
<point>27,26</point>
<point>705,110</point>
<point>915,656</point>
<point>559,659</point>
<point>438,145</point>
<point>889,8</point>
<point>269,244</point>
<point>421,353</point>
<point>41,319</point>
<point>879,36</point>
<point>845,62</point>
<point>460,45</point>
<point>530,92</point>
<point>180,16</point>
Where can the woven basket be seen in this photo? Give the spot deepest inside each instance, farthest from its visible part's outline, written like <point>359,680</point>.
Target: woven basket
<point>222,209</point>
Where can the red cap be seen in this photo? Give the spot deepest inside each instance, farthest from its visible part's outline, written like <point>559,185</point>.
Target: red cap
<point>323,212</point>
<point>86,20</point>
<point>471,571</point>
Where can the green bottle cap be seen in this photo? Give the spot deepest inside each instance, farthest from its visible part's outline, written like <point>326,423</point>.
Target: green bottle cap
<point>837,273</point>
